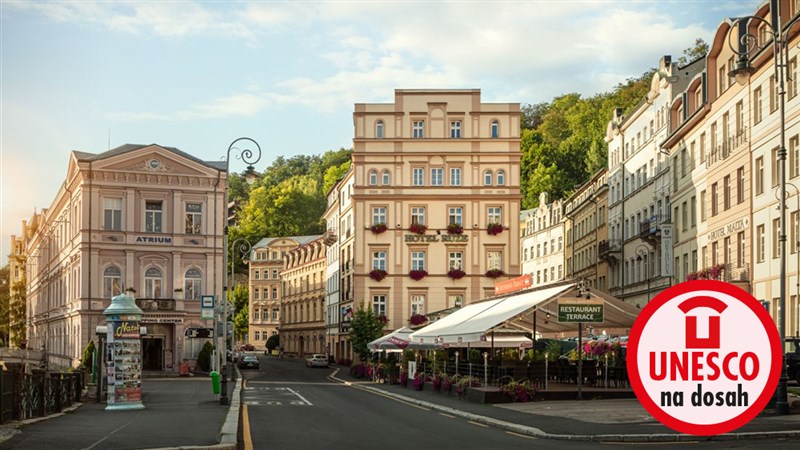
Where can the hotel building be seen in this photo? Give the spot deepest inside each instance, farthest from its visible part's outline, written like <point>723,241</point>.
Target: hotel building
<point>544,242</point>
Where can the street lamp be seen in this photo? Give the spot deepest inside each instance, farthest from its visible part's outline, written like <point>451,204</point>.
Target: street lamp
<point>250,157</point>
<point>747,46</point>
<point>797,251</point>
<point>642,251</point>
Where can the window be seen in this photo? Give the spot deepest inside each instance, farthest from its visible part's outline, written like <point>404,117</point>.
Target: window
<point>379,215</point>
<point>494,214</point>
<point>757,105</point>
<point>703,148</point>
<point>774,98</point>
<point>455,215</point>
<point>795,229</point>
<point>501,178</point>
<point>455,260</point>
<point>379,305</point>
<point>759,175</point>
<point>775,167</point>
<point>417,304</point>
<point>487,178</point>
<point>379,260</point>
<point>726,192</point>
<point>152,283</point>
<point>776,247</point>
<point>387,179</point>
<point>256,294</point>
<point>494,260</point>
<point>418,176</point>
<point>739,118</point>
<point>274,273</point>
<point>694,211</point>
<point>418,129</point>
<point>760,243</point>
<point>455,300</point>
<point>274,313</point>
<point>437,176</point>
<point>379,129</point>
<point>684,216</point>
<point>723,80</point>
<point>455,129</point>
<point>794,157</point>
<point>740,256</point>
<point>194,218</point>
<point>274,293</point>
<point>152,217</point>
<point>455,176</point>
<point>740,185</point>
<point>112,214</point>
<point>495,129</point>
<point>714,199</point>
<point>418,215</point>
<point>417,260</point>
<point>792,79</point>
<point>112,282</point>
<point>257,274</point>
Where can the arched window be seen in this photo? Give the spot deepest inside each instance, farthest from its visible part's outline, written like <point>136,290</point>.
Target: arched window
<point>112,281</point>
<point>373,177</point>
<point>386,178</point>
<point>192,284</point>
<point>379,129</point>
<point>501,178</point>
<point>495,129</point>
<point>152,283</point>
<point>487,178</point>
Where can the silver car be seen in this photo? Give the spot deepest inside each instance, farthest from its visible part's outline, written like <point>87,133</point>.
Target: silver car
<point>317,360</point>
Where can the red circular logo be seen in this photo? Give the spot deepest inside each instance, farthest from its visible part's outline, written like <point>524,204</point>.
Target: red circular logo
<point>704,357</point>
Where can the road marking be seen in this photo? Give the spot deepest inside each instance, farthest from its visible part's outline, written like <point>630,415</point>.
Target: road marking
<point>312,383</point>
<point>447,415</point>
<point>300,396</point>
<point>650,443</point>
<point>478,424</point>
<point>520,435</point>
<point>248,440</point>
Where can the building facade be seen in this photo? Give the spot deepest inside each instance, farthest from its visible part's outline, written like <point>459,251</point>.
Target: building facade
<point>435,202</point>
<point>332,271</point>
<point>545,241</point>
<point>303,300</point>
<point>585,224</point>
<point>140,217</point>
<point>16,289</point>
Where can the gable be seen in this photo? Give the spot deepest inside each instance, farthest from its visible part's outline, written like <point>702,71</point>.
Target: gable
<point>155,160</point>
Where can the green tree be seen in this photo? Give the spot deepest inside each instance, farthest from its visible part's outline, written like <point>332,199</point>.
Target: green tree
<point>241,310</point>
<point>5,306</point>
<point>365,327</point>
<point>204,357</point>
<point>698,50</point>
<point>273,342</point>
<point>334,174</point>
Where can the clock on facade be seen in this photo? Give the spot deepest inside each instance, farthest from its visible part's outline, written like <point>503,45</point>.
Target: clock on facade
<point>154,164</point>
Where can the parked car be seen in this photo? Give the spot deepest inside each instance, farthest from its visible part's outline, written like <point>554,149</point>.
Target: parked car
<point>247,348</point>
<point>317,360</point>
<point>793,360</point>
<point>248,362</point>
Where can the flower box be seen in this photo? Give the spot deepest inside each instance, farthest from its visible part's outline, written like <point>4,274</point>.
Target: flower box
<point>455,228</point>
<point>378,228</point>
<point>378,274</point>
<point>383,319</point>
<point>417,275</point>
<point>418,228</point>
<point>494,273</point>
<point>456,274</point>
<point>417,319</point>
<point>494,229</point>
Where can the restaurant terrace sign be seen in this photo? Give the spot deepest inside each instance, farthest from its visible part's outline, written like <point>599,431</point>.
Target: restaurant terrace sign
<point>580,310</point>
<point>436,238</point>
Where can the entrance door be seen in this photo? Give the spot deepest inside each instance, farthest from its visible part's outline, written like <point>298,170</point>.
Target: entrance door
<point>153,353</point>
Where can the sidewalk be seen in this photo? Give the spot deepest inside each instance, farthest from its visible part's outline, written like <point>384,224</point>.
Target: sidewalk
<point>179,412</point>
<point>588,420</point>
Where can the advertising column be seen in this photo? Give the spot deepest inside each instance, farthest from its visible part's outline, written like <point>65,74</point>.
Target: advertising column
<point>124,354</point>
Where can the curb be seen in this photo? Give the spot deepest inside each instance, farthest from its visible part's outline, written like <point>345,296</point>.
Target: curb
<point>230,428</point>
<point>537,433</point>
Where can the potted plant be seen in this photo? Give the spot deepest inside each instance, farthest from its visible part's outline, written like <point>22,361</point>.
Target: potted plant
<point>383,319</point>
<point>378,274</point>
<point>418,228</point>
<point>417,319</point>
<point>715,272</point>
<point>403,378</point>
<point>494,273</point>
<point>419,381</point>
<point>455,228</point>
<point>417,275</point>
<point>456,274</point>
<point>494,229</point>
<point>378,228</point>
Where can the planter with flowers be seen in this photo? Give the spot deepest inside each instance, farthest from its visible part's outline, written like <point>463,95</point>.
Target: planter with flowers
<point>378,274</point>
<point>455,228</point>
<point>436,382</point>
<point>494,229</point>
<point>519,392</point>
<point>456,274</point>
<point>417,275</point>
<point>383,319</point>
<point>494,273</point>
<point>419,381</point>
<point>403,378</point>
<point>418,228</point>
<point>417,320</point>
<point>447,383</point>
<point>715,272</point>
<point>378,228</point>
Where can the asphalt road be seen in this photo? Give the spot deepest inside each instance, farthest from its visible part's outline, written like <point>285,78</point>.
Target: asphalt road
<point>289,406</point>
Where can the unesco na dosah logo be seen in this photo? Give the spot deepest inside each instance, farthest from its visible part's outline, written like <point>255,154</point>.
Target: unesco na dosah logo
<point>704,357</point>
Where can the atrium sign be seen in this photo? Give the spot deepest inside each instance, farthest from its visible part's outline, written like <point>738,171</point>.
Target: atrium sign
<point>154,239</point>
<point>436,238</point>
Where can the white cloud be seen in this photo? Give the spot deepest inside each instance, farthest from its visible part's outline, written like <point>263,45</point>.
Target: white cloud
<point>244,105</point>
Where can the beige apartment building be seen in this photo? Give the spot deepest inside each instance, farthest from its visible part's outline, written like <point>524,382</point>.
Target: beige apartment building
<point>543,242</point>
<point>302,327</point>
<point>429,212</point>
<point>585,225</point>
<point>266,264</point>
<point>137,216</point>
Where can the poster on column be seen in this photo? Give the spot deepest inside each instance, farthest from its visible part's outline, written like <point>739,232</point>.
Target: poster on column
<point>127,361</point>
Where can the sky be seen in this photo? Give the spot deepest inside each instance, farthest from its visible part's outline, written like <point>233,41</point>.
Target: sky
<point>89,76</point>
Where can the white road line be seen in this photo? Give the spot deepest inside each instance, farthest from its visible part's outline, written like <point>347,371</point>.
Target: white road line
<point>520,435</point>
<point>478,424</point>
<point>301,397</point>
<point>447,415</point>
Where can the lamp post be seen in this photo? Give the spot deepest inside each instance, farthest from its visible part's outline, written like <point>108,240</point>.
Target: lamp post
<point>244,251</point>
<point>748,45</point>
<point>797,251</point>
<point>642,251</point>
<point>250,157</point>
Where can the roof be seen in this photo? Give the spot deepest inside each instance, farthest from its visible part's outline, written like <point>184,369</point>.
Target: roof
<point>301,240</point>
<point>126,148</point>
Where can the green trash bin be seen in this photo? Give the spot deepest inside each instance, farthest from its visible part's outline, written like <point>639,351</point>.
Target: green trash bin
<point>215,381</point>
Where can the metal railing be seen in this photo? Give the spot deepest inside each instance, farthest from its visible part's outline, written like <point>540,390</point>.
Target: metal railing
<point>24,396</point>
<point>156,304</point>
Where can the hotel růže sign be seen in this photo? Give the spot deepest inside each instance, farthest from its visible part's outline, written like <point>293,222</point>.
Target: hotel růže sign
<point>414,238</point>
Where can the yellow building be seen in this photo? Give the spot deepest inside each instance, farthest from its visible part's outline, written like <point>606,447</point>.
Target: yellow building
<point>302,326</point>
<point>586,214</point>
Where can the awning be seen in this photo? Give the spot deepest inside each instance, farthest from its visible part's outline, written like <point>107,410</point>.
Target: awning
<point>397,340</point>
<point>474,322</point>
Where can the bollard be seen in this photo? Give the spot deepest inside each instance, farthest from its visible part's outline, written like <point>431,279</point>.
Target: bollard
<point>215,382</point>
<point>546,375</point>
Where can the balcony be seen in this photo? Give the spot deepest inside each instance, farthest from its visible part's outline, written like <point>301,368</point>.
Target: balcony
<point>650,230</point>
<point>330,237</point>
<point>738,276</point>
<point>156,304</point>
<point>608,251</point>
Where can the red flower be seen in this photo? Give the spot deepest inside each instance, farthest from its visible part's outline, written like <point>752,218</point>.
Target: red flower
<point>456,274</point>
<point>495,229</point>
<point>455,228</point>
<point>494,273</point>
<point>417,319</point>
<point>417,228</point>
<point>417,275</point>
<point>378,274</point>
<point>378,228</point>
